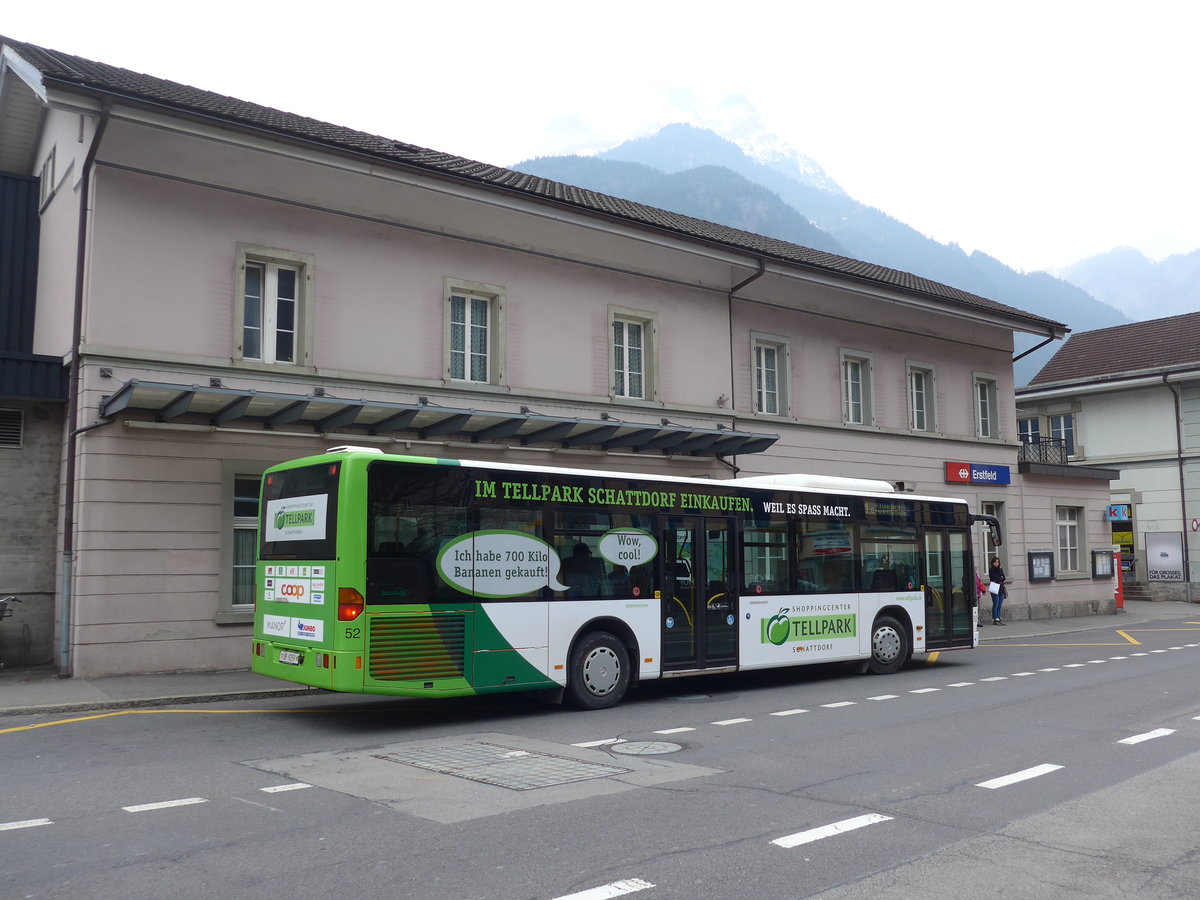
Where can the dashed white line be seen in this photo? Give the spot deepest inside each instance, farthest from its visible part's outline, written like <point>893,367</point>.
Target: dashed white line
<point>838,705</point>
<point>280,788</point>
<point>885,697</point>
<point>1139,654</point>
<point>607,891</point>
<point>1158,651</point>
<point>675,730</point>
<point>601,743</point>
<point>1051,669</point>
<point>924,690</point>
<point>816,834</point>
<point>731,721</point>
<point>961,684</point>
<point>1074,665</point>
<point>789,712</point>
<point>995,678</point>
<point>1015,777</point>
<point>166,804</point>
<point>1022,674</point>
<point>1096,662</point>
<point>27,823</point>
<point>1118,657</point>
<point>1148,736</point>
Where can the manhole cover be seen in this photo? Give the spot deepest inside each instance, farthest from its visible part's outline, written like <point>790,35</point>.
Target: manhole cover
<point>506,767</point>
<point>645,748</point>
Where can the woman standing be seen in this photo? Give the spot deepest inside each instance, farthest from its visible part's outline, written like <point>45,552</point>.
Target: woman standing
<point>996,576</point>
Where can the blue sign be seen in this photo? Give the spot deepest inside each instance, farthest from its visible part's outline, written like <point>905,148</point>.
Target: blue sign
<point>989,474</point>
<point>1118,512</point>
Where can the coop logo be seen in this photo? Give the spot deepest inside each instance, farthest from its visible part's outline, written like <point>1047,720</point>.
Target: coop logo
<point>782,628</point>
<point>295,518</point>
<point>292,590</point>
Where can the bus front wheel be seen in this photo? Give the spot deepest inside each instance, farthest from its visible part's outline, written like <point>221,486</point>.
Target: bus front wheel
<point>889,646</point>
<point>599,673</point>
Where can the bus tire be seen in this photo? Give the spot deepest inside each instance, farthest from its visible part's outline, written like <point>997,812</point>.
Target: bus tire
<point>889,646</point>
<point>599,674</point>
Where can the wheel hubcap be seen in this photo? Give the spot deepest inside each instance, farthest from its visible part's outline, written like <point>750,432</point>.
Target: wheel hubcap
<point>601,671</point>
<point>886,644</point>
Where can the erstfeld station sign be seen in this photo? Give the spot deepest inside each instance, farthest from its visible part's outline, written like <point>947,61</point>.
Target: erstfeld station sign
<point>975,473</point>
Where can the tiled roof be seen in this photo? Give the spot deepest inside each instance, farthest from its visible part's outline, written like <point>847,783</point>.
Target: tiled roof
<point>67,70</point>
<point>1143,347</point>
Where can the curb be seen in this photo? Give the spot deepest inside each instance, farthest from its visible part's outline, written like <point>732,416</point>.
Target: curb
<point>146,702</point>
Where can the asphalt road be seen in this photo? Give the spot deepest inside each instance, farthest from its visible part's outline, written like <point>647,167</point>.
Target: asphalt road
<point>1053,767</point>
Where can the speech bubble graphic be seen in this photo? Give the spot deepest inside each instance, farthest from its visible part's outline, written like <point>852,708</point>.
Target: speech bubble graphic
<point>499,564</point>
<point>628,547</point>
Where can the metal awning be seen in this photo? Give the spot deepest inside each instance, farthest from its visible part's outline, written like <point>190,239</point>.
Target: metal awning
<point>220,406</point>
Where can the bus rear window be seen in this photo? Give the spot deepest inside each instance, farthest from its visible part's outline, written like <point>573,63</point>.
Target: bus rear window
<point>299,513</point>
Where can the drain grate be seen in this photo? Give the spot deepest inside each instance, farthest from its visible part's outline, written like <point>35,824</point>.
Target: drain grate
<point>506,767</point>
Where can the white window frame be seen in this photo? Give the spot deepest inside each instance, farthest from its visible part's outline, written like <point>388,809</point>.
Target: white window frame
<point>1029,429</point>
<point>619,386</point>
<point>986,394</point>
<point>773,348</point>
<point>493,298</point>
<point>229,612</point>
<point>1055,424</point>
<point>47,180</point>
<point>1069,538</point>
<point>858,410</point>
<point>922,404</point>
<point>271,261</point>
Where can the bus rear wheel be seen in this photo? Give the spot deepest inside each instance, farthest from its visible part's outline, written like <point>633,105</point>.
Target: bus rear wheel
<point>599,672</point>
<point>889,646</point>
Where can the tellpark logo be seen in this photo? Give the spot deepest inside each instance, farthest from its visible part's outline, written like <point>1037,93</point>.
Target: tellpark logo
<point>296,518</point>
<point>781,628</point>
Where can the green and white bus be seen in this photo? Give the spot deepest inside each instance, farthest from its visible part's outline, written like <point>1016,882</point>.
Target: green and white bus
<point>384,574</point>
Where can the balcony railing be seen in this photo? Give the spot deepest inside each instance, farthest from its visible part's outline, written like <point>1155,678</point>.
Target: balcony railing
<point>1052,451</point>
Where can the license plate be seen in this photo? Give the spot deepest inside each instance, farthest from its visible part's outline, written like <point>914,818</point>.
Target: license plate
<point>291,657</point>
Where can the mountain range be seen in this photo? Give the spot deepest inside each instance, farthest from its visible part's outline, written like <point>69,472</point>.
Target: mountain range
<point>783,194</point>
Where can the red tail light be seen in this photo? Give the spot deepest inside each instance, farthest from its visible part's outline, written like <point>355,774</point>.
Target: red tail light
<point>350,604</point>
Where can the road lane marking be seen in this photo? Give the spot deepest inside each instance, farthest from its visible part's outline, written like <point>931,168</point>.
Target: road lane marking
<point>1022,674</point>
<point>601,743</point>
<point>166,804</point>
<point>932,658</point>
<point>680,730</point>
<point>731,721</point>
<point>280,788</point>
<point>789,712</point>
<point>961,684</point>
<point>1148,736</point>
<point>816,834</point>
<point>995,678</point>
<point>885,697</point>
<point>161,712</point>
<point>607,891</point>
<point>1015,777</point>
<point>1074,665</point>
<point>924,690</point>
<point>838,705</point>
<point>27,823</point>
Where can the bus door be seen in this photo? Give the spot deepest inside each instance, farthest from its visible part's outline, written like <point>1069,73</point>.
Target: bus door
<point>699,612</point>
<point>949,600</point>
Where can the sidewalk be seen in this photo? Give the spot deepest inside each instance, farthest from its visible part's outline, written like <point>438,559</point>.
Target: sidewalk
<point>39,690</point>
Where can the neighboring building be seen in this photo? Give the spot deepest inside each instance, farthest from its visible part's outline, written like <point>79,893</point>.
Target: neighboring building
<point>1128,398</point>
<point>230,285</point>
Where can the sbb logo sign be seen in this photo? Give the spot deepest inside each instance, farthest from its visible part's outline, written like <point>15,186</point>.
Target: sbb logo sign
<point>958,473</point>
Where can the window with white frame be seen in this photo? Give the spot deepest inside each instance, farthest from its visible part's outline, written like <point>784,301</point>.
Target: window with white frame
<point>273,306</point>
<point>987,408</point>
<point>1029,430</point>
<point>857,398</point>
<point>1066,522</point>
<point>632,352</point>
<point>770,375</point>
<point>240,481</point>
<point>474,331</point>
<point>922,398</point>
<point>1063,428</point>
<point>990,547</point>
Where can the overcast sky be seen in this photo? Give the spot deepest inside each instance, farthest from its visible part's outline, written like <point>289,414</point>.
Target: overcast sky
<point>1038,131</point>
